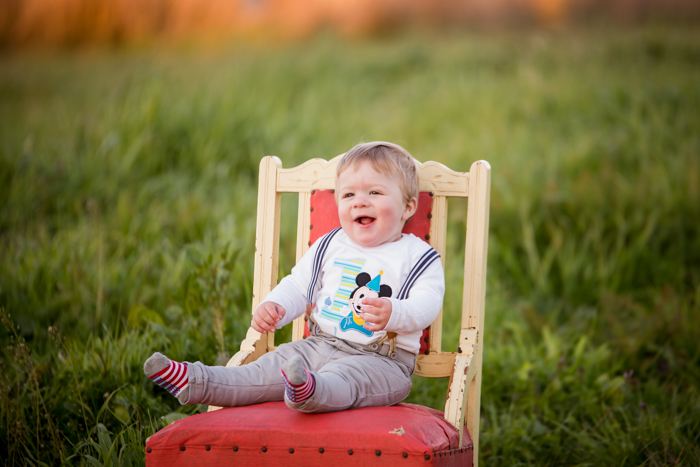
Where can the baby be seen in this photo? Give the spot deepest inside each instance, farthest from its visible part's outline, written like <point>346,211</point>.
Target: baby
<point>372,291</point>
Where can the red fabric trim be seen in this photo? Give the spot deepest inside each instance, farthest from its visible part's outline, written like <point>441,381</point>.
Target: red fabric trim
<point>424,341</point>
<point>419,225</point>
<point>199,456</point>
<point>324,214</point>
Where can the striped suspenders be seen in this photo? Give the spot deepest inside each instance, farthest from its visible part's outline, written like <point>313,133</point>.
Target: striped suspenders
<point>418,269</point>
<point>318,262</point>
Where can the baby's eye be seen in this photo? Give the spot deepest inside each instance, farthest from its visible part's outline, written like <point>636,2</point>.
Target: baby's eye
<point>374,192</point>
<point>347,195</point>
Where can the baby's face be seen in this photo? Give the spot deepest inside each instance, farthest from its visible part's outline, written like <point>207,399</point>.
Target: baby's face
<point>371,206</point>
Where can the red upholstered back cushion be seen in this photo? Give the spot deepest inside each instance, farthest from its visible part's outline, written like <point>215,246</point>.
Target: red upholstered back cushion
<point>324,218</point>
<point>324,215</point>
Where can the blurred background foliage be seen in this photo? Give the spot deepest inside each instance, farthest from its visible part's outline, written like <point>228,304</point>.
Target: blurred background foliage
<point>71,23</point>
<point>128,182</point>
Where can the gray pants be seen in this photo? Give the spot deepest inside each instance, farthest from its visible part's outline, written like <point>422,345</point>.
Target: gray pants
<point>347,376</point>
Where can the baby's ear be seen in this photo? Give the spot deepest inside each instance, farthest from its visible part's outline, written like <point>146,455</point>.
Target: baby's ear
<point>410,210</point>
<point>384,291</point>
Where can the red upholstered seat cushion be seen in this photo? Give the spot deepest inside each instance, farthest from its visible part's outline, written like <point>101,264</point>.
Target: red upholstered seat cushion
<point>273,434</point>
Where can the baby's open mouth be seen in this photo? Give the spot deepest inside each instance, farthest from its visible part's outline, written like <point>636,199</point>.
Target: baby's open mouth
<point>365,220</point>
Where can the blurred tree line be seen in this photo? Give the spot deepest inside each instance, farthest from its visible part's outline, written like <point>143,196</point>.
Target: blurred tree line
<point>70,23</point>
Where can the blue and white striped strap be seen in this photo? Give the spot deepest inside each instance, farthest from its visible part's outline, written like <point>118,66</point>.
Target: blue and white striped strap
<point>318,261</point>
<point>422,264</point>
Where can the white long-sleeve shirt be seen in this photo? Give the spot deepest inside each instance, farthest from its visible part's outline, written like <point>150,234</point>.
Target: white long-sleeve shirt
<point>408,272</point>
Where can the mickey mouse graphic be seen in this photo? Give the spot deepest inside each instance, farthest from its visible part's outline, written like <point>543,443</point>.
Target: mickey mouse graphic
<point>366,288</point>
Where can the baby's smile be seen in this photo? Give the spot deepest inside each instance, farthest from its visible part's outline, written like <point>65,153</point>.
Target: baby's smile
<point>364,220</point>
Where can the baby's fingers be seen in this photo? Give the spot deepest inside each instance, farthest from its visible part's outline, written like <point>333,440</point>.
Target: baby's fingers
<point>373,322</point>
<point>379,313</point>
<point>373,327</point>
<point>266,318</point>
<point>372,302</point>
<point>368,317</point>
<point>260,325</point>
<point>257,326</point>
<point>280,312</point>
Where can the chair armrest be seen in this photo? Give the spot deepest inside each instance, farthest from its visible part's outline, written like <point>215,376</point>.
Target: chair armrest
<point>256,343</point>
<point>253,347</point>
<point>435,364</point>
<point>458,392</point>
<point>463,373</point>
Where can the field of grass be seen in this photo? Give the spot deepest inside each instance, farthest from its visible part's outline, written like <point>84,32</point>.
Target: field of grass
<point>127,199</point>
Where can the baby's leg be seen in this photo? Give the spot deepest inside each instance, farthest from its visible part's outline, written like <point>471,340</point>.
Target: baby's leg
<point>256,382</point>
<point>365,380</point>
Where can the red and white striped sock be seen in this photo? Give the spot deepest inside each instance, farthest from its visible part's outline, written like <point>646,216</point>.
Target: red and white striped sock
<point>173,378</point>
<point>299,392</point>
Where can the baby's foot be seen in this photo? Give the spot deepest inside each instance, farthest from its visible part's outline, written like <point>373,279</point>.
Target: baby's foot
<point>299,382</point>
<point>170,375</point>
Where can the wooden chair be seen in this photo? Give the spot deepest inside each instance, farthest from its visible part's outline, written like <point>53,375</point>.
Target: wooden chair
<point>314,181</point>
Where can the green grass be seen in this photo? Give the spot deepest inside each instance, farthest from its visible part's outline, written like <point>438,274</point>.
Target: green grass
<point>127,199</point>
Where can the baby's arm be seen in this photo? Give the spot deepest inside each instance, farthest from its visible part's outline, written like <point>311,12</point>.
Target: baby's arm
<point>423,304</point>
<point>283,304</point>
<point>288,300</point>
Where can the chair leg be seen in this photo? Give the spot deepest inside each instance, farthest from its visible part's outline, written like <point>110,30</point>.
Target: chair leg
<point>473,412</point>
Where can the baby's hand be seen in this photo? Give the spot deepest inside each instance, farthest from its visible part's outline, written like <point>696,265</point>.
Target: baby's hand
<point>376,311</point>
<point>267,316</point>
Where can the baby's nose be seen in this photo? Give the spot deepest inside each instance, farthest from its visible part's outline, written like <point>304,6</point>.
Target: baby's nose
<point>359,200</point>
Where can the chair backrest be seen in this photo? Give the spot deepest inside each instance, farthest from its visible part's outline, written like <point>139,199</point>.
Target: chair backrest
<point>314,180</point>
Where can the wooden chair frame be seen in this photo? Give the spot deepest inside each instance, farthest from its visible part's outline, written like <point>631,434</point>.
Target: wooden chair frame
<point>463,366</point>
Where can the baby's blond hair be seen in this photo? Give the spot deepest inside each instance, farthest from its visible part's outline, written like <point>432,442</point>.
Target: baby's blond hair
<point>386,158</point>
